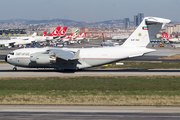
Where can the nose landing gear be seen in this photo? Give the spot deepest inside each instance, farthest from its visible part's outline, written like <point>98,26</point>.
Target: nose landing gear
<point>15,69</point>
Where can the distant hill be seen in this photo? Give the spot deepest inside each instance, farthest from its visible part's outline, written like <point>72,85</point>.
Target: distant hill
<point>13,20</point>
<point>65,22</point>
<point>70,23</point>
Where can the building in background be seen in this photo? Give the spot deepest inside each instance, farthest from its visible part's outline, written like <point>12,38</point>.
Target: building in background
<point>138,19</point>
<point>135,20</point>
<point>126,23</point>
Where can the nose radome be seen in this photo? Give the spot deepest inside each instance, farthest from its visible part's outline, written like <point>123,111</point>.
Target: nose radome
<point>6,58</point>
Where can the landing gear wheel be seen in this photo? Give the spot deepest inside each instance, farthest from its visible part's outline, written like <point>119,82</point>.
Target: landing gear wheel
<point>15,69</point>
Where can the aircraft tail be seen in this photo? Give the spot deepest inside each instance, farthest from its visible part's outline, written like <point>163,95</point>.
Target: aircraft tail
<point>79,36</point>
<point>103,37</point>
<point>44,34</point>
<point>75,34</point>
<point>164,36</point>
<point>55,32</point>
<point>146,31</point>
<point>34,34</point>
<point>68,37</point>
<point>168,36</point>
<point>63,32</point>
<point>83,35</point>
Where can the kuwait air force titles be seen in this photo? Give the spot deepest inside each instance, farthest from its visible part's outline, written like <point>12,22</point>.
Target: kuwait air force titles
<point>78,58</point>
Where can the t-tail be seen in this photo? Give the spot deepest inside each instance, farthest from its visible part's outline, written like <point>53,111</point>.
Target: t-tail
<point>146,31</point>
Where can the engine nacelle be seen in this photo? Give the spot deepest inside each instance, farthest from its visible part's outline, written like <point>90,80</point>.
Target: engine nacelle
<point>33,57</point>
<point>45,59</point>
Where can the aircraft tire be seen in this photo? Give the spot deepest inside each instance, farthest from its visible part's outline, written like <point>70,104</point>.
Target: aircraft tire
<point>15,69</point>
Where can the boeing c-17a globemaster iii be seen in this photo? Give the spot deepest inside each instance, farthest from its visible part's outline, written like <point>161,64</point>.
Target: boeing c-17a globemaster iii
<point>79,58</point>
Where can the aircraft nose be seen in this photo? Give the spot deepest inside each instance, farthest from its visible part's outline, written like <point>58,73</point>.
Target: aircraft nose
<point>6,58</point>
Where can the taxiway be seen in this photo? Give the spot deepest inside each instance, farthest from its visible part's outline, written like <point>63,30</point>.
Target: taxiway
<point>6,71</point>
<point>89,112</point>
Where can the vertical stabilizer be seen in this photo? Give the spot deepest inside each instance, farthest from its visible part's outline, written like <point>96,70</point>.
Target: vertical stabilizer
<point>146,31</point>
<point>55,32</point>
<point>33,35</point>
<point>75,34</point>
<point>103,37</point>
<point>164,36</point>
<point>63,32</point>
<point>44,34</point>
<point>168,36</point>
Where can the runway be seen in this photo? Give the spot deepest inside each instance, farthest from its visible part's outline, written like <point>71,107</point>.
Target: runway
<point>89,112</point>
<point>6,71</point>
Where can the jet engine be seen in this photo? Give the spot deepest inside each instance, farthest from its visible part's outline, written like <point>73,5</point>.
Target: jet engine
<point>43,58</point>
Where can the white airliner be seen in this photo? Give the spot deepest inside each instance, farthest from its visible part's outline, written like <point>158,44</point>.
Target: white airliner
<point>18,41</point>
<point>41,38</point>
<point>108,42</point>
<point>23,38</point>
<point>79,58</point>
<point>171,40</point>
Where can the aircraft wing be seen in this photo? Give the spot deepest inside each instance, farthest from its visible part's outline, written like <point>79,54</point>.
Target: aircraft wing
<point>64,54</point>
<point>7,42</point>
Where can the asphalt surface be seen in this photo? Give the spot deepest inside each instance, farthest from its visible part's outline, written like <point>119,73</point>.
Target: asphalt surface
<point>27,112</point>
<point>85,116</point>
<point>6,71</point>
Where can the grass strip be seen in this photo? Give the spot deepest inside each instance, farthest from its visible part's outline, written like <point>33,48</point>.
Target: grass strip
<point>3,62</point>
<point>119,83</point>
<point>123,90</point>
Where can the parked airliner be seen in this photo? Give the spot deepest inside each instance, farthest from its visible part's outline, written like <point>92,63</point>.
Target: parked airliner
<point>18,41</point>
<point>171,40</point>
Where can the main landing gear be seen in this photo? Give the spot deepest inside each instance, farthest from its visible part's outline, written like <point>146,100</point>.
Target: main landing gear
<point>14,68</point>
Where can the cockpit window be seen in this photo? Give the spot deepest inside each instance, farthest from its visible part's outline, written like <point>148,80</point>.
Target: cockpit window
<point>11,53</point>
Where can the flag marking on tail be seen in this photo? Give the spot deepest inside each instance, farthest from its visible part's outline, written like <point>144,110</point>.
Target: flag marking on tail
<point>145,28</point>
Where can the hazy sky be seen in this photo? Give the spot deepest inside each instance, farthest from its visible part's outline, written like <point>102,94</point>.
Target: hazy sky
<point>88,10</point>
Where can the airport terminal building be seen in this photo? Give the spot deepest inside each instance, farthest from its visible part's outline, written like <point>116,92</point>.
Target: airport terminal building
<point>12,32</point>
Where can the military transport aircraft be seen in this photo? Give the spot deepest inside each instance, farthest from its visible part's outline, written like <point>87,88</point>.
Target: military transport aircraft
<point>79,58</point>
